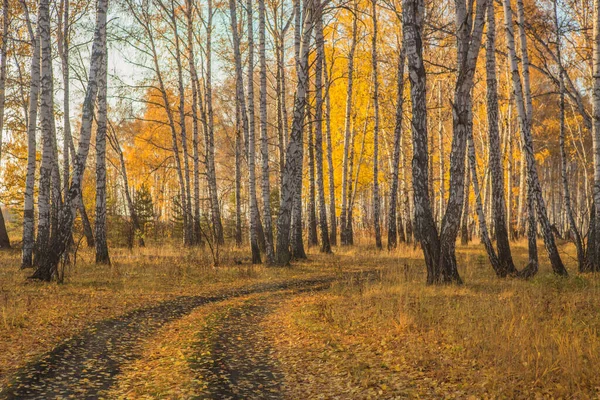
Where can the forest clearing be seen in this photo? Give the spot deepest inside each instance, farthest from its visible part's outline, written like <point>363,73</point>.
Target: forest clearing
<point>369,335</point>
<point>299,199</point>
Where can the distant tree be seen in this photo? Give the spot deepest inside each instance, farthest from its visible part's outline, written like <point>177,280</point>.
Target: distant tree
<point>4,240</point>
<point>144,207</point>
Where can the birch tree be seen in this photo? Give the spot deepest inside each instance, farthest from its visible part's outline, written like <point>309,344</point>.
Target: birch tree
<point>48,267</point>
<point>254,220</point>
<point>32,110</point>
<point>332,203</point>
<point>469,27</point>
<point>376,205</point>
<point>525,110</point>
<point>48,134</point>
<point>506,265</point>
<point>4,239</point>
<point>102,256</point>
<point>209,142</point>
<point>195,87</point>
<point>596,132</point>
<point>347,131</point>
<point>392,218</point>
<point>312,206</point>
<point>320,45</point>
<point>293,160</point>
<point>264,139</point>
<point>425,229</point>
<point>563,154</point>
<point>241,104</point>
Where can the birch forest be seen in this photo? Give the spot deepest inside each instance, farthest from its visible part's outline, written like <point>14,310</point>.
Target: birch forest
<point>299,199</point>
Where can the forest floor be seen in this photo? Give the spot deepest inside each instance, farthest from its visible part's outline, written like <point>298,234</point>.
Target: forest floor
<point>163,323</point>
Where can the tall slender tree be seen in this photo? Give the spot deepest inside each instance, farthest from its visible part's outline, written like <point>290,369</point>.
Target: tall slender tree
<point>209,137</point>
<point>251,151</point>
<point>320,45</point>
<point>522,95</point>
<point>48,266</point>
<point>347,128</point>
<point>293,160</point>
<point>392,218</point>
<point>506,265</point>
<point>4,239</point>
<point>102,256</point>
<point>375,78</point>
<point>264,139</point>
<point>32,111</point>
<point>469,27</point>
<point>595,244</point>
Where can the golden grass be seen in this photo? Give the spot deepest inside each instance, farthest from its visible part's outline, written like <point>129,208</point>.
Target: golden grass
<point>392,337</point>
<point>164,369</point>
<point>35,316</point>
<point>490,338</point>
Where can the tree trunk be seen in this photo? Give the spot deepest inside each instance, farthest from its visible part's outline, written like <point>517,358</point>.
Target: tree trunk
<point>347,132</point>
<point>332,207</point>
<point>238,177</point>
<point>28,209</point>
<point>146,23</point>
<point>102,256</point>
<point>442,171</point>
<point>506,265</point>
<point>312,207</point>
<point>243,117</point>
<point>485,237</point>
<point>47,128</point>
<point>320,44</point>
<point>425,228</point>
<point>465,238</point>
<point>264,140</point>
<point>4,240</point>
<point>188,236</point>
<point>48,267</point>
<point>525,118</point>
<point>392,218</point>
<point>293,163</point>
<point>468,44</point>
<point>563,154</point>
<point>209,138</point>
<point>195,84</point>
<point>135,222</point>
<point>254,220</point>
<point>376,204</point>
<point>595,244</point>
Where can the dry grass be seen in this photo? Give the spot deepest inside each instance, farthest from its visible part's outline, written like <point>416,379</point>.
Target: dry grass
<point>35,317</point>
<point>164,369</point>
<point>393,337</point>
<point>489,338</point>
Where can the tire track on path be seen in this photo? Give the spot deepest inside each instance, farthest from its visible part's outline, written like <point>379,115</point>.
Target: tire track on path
<point>86,365</point>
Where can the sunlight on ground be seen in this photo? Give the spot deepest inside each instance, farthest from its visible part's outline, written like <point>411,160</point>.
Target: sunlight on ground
<point>392,336</point>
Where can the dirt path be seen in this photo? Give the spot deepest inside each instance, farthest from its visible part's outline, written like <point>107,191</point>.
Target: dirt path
<point>238,361</point>
<point>86,365</point>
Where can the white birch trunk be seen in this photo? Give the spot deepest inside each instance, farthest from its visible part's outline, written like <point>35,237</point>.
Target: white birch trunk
<point>264,139</point>
<point>102,256</point>
<point>596,131</point>
<point>60,240</point>
<point>375,78</point>
<point>523,106</point>
<point>320,44</point>
<point>293,164</point>
<point>347,133</point>
<point>4,239</point>
<point>28,209</point>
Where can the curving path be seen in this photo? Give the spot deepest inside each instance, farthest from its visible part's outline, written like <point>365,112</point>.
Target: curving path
<point>86,365</point>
